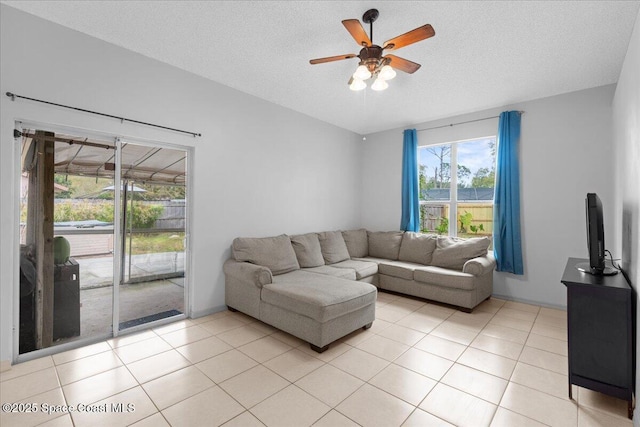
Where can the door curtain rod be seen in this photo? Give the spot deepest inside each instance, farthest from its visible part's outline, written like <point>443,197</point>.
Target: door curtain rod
<point>13,97</point>
<point>462,123</point>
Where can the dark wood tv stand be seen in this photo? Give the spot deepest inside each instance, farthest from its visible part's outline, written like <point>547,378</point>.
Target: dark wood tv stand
<point>601,317</point>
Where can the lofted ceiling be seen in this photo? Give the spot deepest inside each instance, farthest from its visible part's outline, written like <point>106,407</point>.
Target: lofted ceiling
<point>485,54</point>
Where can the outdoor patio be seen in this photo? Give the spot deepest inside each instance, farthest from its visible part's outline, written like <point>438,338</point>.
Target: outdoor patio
<point>157,287</point>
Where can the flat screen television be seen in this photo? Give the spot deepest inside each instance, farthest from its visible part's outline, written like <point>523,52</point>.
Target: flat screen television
<point>595,238</point>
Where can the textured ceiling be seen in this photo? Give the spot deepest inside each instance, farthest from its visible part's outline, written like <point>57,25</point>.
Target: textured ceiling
<point>484,54</point>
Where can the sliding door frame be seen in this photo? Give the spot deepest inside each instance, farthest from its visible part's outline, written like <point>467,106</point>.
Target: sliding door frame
<point>117,230</point>
<point>119,247</point>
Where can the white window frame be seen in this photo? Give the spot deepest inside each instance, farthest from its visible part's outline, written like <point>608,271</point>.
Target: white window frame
<point>453,195</point>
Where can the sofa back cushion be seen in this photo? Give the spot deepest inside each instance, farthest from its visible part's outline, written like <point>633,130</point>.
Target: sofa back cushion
<point>452,252</point>
<point>307,249</point>
<point>275,253</point>
<point>333,247</point>
<point>385,244</point>
<point>417,247</point>
<point>357,242</point>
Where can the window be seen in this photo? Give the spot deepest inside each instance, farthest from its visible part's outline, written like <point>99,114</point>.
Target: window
<point>468,210</point>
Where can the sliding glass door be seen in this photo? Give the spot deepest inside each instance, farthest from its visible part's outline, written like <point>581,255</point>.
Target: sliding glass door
<point>102,237</point>
<point>66,240</point>
<point>154,207</point>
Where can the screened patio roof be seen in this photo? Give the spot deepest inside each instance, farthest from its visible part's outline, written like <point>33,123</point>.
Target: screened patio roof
<point>86,157</point>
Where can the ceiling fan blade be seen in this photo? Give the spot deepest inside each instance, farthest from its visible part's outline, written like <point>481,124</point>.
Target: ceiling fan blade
<point>411,37</point>
<point>357,32</point>
<point>332,58</point>
<point>402,64</point>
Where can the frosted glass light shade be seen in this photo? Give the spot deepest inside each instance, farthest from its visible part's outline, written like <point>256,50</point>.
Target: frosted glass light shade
<point>357,84</point>
<point>362,73</point>
<point>379,84</point>
<point>387,73</point>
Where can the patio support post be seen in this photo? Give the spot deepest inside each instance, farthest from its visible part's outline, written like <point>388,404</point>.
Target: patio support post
<point>40,236</point>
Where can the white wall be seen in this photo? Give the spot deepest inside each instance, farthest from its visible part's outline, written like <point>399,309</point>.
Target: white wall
<point>259,170</point>
<point>626,141</point>
<point>565,152</point>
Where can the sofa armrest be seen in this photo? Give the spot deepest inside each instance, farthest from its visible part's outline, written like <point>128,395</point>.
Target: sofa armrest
<point>247,272</point>
<point>479,266</point>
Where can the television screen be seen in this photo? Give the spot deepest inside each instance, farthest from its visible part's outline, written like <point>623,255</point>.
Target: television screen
<point>595,233</point>
<point>595,238</point>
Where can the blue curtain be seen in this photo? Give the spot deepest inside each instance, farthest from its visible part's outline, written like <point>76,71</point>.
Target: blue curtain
<point>507,245</point>
<point>410,220</point>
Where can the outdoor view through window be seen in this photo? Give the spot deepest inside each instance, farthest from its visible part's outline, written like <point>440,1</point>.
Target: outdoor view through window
<point>96,259</point>
<point>467,211</point>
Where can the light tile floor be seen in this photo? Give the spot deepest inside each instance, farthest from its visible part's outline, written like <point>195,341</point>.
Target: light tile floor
<point>420,364</point>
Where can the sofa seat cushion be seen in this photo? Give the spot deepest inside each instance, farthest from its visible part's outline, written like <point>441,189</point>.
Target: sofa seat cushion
<point>332,270</point>
<point>362,268</point>
<point>401,269</point>
<point>319,297</point>
<point>370,259</point>
<point>444,277</point>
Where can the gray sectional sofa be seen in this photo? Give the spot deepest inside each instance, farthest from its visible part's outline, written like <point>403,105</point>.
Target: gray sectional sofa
<point>322,286</point>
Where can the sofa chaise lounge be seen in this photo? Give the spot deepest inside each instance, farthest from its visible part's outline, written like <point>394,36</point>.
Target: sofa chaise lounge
<point>320,287</point>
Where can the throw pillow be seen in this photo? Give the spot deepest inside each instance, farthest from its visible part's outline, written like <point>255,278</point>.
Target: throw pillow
<point>452,252</point>
<point>275,253</point>
<point>333,247</point>
<point>385,244</point>
<point>417,247</point>
<point>357,242</point>
<point>307,249</point>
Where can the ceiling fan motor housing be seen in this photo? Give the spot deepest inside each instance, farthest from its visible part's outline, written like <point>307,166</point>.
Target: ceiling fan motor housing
<point>370,56</point>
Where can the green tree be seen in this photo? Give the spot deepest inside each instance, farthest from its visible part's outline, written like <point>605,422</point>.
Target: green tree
<point>164,192</point>
<point>463,173</point>
<point>64,181</point>
<point>144,216</point>
<point>484,178</point>
<point>441,177</point>
<point>422,179</point>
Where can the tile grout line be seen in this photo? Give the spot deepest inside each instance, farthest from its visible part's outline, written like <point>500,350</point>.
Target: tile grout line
<point>355,346</point>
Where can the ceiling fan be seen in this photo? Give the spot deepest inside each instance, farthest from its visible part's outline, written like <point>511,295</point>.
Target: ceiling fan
<point>372,63</point>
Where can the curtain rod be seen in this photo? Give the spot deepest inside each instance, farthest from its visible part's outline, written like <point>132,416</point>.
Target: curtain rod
<point>462,123</point>
<point>18,134</point>
<point>13,97</point>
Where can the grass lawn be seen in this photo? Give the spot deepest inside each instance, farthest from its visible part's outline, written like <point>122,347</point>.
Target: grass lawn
<point>145,243</point>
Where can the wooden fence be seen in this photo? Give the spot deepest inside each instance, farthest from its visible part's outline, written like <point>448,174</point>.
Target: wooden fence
<point>481,214</point>
<point>173,214</point>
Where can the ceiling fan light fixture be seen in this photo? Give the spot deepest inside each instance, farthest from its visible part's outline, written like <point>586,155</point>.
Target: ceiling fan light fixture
<point>379,84</point>
<point>357,84</point>
<point>387,73</point>
<point>373,61</point>
<point>362,73</point>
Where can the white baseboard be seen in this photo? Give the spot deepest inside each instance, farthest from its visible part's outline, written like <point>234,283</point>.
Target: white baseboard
<point>525,301</point>
<point>202,313</point>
